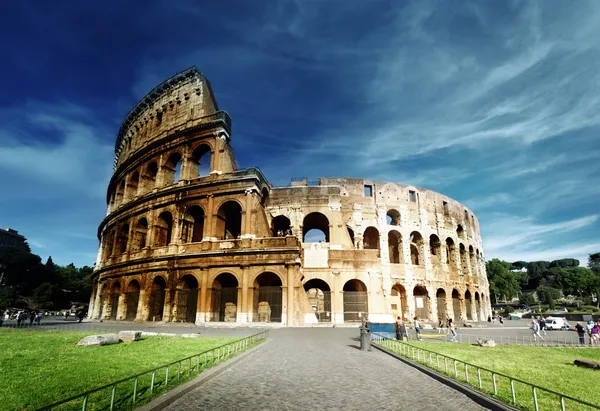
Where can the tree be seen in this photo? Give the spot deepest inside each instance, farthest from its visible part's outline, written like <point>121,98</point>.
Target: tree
<point>564,263</point>
<point>527,299</point>
<point>548,295</point>
<point>502,281</point>
<point>594,262</point>
<point>535,272</point>
<point>577,281</point>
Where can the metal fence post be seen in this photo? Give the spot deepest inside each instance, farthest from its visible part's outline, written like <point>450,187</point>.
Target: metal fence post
<point>152,382</point>
<point>535,402</point>
<point>135,383</point>
<point>455,370</point>
<point>494,382</point>
<point>112,397</point>
<point>467,372</point>
<point>479,377</point>
<point>512,390</point>
<point>167,376</point>
<point>84,405</point>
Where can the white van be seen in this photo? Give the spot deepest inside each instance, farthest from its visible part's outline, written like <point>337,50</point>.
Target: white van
<point>556,323</point>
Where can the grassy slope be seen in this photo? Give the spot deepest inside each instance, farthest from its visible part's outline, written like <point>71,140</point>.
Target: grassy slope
<point>546,367</point>
<point>41,367</point>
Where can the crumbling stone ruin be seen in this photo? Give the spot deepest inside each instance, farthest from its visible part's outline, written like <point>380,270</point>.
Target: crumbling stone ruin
<point>190,237</point>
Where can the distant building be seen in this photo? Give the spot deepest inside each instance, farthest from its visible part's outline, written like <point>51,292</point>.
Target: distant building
<point>12,238</point>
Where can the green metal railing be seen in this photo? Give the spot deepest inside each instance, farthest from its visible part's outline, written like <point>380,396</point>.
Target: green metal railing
<point>158,377</point>
<point>515,391</point>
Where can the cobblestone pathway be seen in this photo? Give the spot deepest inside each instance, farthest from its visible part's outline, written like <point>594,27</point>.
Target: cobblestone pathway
<point>316,369</point>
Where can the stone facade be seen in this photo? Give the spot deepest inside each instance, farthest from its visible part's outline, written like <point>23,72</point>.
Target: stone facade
<point>190,237</point>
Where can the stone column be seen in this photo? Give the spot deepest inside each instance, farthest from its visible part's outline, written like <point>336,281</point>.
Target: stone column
<point>238,308</point>
<point>433,316</point>
<point>92,305</point>
<point>337,300</point>
<point>167,315</point>
<point>245,309</point>
<point>121,307</point>
<point>248,214</point>
<point>139,315</point>
<point>202,301</point>
<point>209,231</point>
<point>291,274</point>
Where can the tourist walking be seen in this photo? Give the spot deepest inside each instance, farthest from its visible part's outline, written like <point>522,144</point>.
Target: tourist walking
<point>543,325</point>
<point>595,334</point>
<point>535,326</point>
<point>452,330</point>
<point>398,324</point>
<point>441,326</point>
<point>418,329</point>
<point>31,317</point>
<point>501,320</point>
<point>580,333</point>
<point>38,318</point>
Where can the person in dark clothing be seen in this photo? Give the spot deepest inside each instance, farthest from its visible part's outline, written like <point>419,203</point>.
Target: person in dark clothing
<point>580,333</point>
<point>31,317</point>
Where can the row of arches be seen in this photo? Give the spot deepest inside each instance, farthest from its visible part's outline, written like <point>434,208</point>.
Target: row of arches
<point>123,238</point>
<point>157,174</point>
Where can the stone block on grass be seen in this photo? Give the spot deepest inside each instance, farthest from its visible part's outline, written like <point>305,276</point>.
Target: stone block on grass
<point>98,340</point>
<point>587,364</point>
<point>128,336</point>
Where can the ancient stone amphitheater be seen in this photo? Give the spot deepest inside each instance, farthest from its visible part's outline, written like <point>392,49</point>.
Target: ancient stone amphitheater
<point>190,237</point>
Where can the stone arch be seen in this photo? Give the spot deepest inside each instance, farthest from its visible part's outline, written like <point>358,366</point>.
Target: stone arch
<point>478,307</point>
<point>399,302</point>
<point>393,217</point>
<point>435,249</point>
<point>312,224</point>
<point>473,260</point>
<point>371,238</point>
<point>134,183</point>
<point>351,235</point>
<point>280,226</point>
<point>109,243</point>
<point>416,248</point>
<point>163,229</point>
<point>140,234</point>
<point>468,305</point>
<point>172,169</point>
<point>229,220</point>
<point>268,297</point>
<point>456,305</point>
<point>421,297</point>
<point>156,302</point>
<point>319,297</point>
<point>149,177</point>
<point>123,238</point>
<point>442,312</point>
<point>187,298</point>
<point>460,232</point>
<point>395,246</point>
<point>115,294</point>
<point>120,193</point>
<point>132,298</point>
<point>356,301</point>
<point>224,298</point>
<point>192,229</point>
<point>201,161</point>
<point>463,259</point>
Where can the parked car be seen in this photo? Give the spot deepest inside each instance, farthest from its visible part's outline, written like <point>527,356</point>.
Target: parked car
<point>556,323</point>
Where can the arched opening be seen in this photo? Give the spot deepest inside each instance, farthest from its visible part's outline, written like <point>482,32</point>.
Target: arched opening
<point>163,229</point>
<point>456,304</point>
<point>172,169</point>
<point>264,196</point>
<point>201,158</point>
<point>267,298</point>
<point>435,248</point>
<point>319,297</point>
<point>371,239</point>
<point>134,183</point>
<point>132,298</point>
<point>224,298</point>
<point>192,230</point>
<point>315,228</point>
<point>281,226</point>
<point>395,247</point>
<point>399,302</point>
<point>157,299</point>
<point>478,307</point>
<point>140,234</point>
<point>229,221</point>
<point>351,235</point>
<point>187,298</point>
<point>468,305</point>
<point>421,302</point>
<point>463,259</point>
<point>460,232</point>
<point>473,260</point>
<point>115,293</point>
<point>149,177</point>
<point>120,193</point>
<point>392,217</point>
<point>416,247</point>
<point>123,238</point>
<point>109,244</point>
<point>440,296</point>
<point>356,306</point>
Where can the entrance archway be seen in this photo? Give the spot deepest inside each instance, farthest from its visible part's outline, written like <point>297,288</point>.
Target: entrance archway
<point>441,304</point>
<point>157,299</point>
<point>421,302</point>
<point>132,297</point>
<point>456,305</point>
<point>356,305</point>
<point>115,293</point>
<point>315,228</point>
<point>187,298</point>
<point>224,298</point>
<point>280,226</point>
<point>396,252</point>
<point>478,307</point>
<point>268,298</point>
<point>229,221</point>
<point>468,305</point>
<point>319,297</point>
<point>399,302</point>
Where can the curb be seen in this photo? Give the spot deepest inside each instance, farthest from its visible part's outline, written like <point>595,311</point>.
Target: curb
<point>480,398</point>
<point>160,403</point>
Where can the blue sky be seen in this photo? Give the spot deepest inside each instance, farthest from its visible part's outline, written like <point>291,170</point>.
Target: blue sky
<point>495,104</point>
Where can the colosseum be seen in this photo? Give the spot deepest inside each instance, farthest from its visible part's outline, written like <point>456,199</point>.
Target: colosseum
<point>189,237</point>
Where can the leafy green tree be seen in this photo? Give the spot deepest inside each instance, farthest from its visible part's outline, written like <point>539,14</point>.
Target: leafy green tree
<point>518,265</point>
<point>577,281</point>
<point>594,265</point>
<point>564,263</point>
<point>547,294</point>
<point>535,271</point>
<point>502,281</point>
<point>527,299</point>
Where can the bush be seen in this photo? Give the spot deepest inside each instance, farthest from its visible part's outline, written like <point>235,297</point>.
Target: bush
<point>527,299</point>
<point>508,309</point>
<point>571,309</point>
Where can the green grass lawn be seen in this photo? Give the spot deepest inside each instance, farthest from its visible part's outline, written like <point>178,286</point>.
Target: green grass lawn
<point>550,368</point>
<point>41,367</point>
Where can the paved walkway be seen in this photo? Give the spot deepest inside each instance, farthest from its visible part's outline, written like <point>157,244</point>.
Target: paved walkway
<point>314,369</point>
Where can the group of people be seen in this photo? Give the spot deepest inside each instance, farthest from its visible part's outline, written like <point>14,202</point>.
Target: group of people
<point>23,316</point>
<point>402,332</point>
<point>592,329</point>
<point>281,233</point>
<point>537,326</point>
